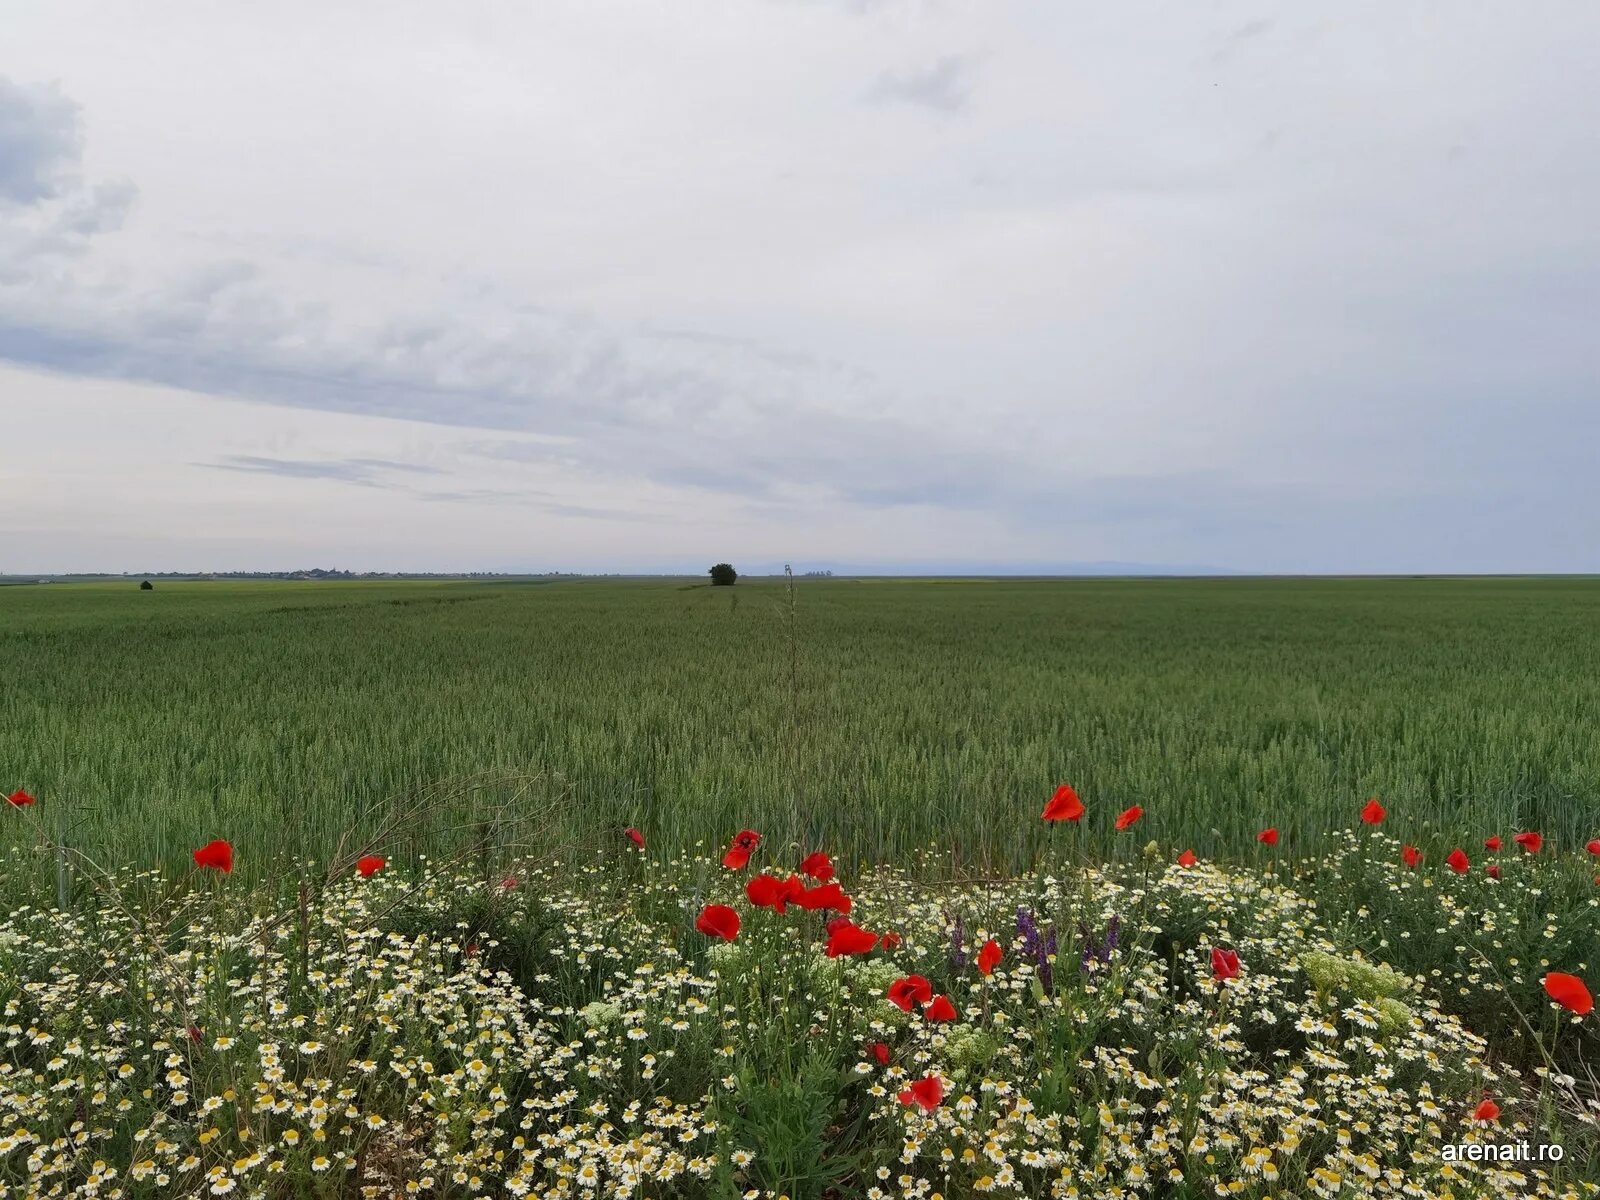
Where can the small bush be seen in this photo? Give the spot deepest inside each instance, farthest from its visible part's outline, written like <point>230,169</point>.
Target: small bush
<point>723,575</point>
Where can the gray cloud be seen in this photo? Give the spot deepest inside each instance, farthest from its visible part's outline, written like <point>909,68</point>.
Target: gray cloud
<point>945,85</point>
<point>47,211</point>
<point>40,142</point>
<point>676,407</point>
<point>398,476</point>
<point>366,472</point>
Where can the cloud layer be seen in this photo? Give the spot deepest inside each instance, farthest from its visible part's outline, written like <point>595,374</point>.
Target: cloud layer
<point>1267,292</point>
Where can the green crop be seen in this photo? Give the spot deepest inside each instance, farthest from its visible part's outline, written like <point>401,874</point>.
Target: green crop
<point>870,717</point>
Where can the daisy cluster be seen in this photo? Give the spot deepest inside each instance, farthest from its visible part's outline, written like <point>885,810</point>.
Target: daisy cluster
<point>696,1026</point>
<point>1485,938</point>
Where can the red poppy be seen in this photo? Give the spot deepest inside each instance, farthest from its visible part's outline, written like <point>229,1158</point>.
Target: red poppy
<point>927,1093</point>
<point>718,920</point>
<point>1494,871</point>
<point>370,864</point>
<point>1593,847</point>
<point>1187,859</point>
<point>634,836</point>
<point>1531,842</point>
<point>1064,805</point>
<point>890,940</point>
<point>940,1009</point>
<point>880,1051</point>
<point>1224,963</point>
<point>1488,1110</point>
<point>1570,992</point>
<point>989,956</point>
<point>823,896</point>
<point>1411,855</point>
<point>20,799</point>
<point>745,841</point>
<point>1458,861</point>
<point>768,891</point>
<point>194,1032</point>
<point>1268,837</point>
<point>765,891</point>
<point>837,923</point>
<point>1373,813</point>
<point>817,865</point>
<point>1492,843</point>
<point>850,939</point>
<point>509,882</point>
<point>909,991</point>
<point>1128,816</point>
<point>471,949</point>
<point>217,855</point>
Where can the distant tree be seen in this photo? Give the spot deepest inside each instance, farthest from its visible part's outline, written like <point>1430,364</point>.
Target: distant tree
<point>147,586</point>
<point>723,575</point>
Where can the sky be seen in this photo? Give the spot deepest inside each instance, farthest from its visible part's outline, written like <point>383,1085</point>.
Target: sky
<point>897,284</point>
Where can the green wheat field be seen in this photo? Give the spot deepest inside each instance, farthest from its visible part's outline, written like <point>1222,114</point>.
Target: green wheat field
<point>873,716</point>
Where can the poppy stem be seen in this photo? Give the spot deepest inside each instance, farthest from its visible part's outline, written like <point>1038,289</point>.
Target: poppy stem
<point>1555,1034</point>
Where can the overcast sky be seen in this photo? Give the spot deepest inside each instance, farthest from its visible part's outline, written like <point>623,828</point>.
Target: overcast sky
<point>594,285</point>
